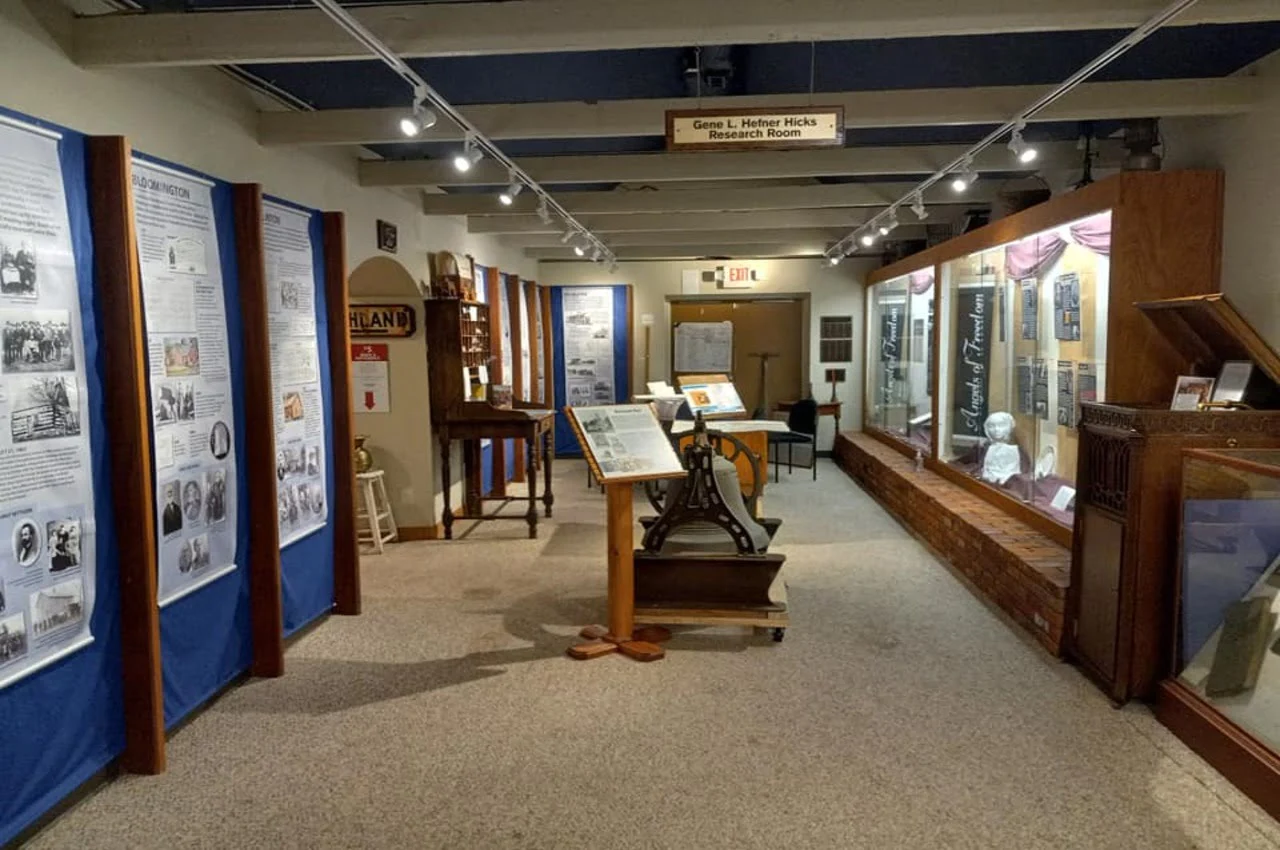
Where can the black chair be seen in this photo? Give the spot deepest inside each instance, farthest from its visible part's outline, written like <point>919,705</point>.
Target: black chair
<point>802,424</point>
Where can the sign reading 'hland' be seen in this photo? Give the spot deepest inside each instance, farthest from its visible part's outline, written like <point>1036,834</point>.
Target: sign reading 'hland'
<point>747,129</point>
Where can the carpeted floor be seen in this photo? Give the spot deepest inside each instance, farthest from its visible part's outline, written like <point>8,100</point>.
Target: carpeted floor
<point>899,713</point>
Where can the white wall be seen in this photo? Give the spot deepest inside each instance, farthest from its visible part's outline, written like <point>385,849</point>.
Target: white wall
<point>206,120</point>
<point>832,290</point>
<point>1246,147</point>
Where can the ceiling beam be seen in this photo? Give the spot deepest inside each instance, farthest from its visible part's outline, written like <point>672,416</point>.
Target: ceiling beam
<point>479,29</point>
<point>747,165</point>
<point>686,237</point>
<point>845,219</point>
<point>657,200</point>
<point>865,109</point>
<point>711,249</point>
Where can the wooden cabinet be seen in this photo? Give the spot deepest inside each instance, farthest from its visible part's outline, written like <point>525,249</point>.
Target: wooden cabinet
<point>458,345</point>
<point>1120,606</point>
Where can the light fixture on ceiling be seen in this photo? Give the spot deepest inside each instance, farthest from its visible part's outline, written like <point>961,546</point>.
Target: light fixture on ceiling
<point>544,214</point>
<point>918,207</point>
<point>965,177</point>
<point>890,224</point>
<point>868,239</point>
<point>420,116</point>
<point>834,259</point>
<point>508,197</point>
<point>613,267</point>
<point>595,254</point>
<point>579,250</point>
<point>470,155</point>
<point>568,235</point>
<point>1025,153</point>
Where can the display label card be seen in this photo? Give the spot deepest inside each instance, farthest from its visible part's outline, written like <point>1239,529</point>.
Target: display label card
<point>625,442</point>
<point>1063,498</point>
<point>716,399</point>
<point>370,383</point>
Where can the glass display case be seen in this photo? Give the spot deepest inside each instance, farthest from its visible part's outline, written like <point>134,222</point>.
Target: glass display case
<point>900,358</point>
<point>1024,342</point>
<point>1227,651</point>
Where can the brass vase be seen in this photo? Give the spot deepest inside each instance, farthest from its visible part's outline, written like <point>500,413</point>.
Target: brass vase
<point>364,458</point>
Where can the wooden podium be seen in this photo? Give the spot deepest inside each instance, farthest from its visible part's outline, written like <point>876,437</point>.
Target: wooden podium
<point>619,471</point>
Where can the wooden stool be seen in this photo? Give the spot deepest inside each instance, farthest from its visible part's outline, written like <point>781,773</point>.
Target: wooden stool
<point>374,509</point>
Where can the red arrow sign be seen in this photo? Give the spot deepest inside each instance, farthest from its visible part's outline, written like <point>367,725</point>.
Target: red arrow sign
<point>368,400</point>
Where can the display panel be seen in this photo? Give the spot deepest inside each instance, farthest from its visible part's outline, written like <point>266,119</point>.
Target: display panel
<point>1227,648</point>
<point>900,357</point>
<point>1023,344</point>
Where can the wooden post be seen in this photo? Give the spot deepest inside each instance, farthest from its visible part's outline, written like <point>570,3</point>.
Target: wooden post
<point>496,373</point>
<point>119,296</point>
<point>346,552</point>
<point>516,379</point>
<point>266,601</point>
<point>622,570</point>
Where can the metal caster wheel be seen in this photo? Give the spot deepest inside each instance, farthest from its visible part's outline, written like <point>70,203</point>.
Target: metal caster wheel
<point>779,634</point>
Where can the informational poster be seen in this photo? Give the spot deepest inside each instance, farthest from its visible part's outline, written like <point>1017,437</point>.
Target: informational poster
<point>1066,307</point>
<point>504,306</point>
<point>302,505</point>
<point>1030,289</point>
<point>47,531</point>
<point>526,348</point>
<point>1067,393</point>
<point>974,313</point>
<point>588,345</point>
<point>704,347</point>
<point>1087,383</point>
<point>626,440</point>
<point>192,409</point>
<point>370,378</point>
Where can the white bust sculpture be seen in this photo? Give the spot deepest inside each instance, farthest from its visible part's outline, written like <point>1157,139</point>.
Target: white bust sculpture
<point>1002,460</point>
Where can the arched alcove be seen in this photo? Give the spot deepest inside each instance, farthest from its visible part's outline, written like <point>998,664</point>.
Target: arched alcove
<point>383,277</point>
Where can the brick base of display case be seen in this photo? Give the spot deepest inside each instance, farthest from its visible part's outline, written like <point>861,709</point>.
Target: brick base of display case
<point>1020,570</point>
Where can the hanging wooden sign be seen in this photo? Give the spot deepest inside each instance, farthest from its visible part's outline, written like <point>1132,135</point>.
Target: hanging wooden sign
<point>777,128</point>
<point>388,320</point>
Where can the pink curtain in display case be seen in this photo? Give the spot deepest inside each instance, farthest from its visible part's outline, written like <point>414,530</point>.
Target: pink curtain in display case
<point>1094,233</point>
<point>1029,257</point>
<point>921,281</point>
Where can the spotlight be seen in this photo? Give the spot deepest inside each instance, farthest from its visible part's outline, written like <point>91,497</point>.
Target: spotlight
<point>577,249</point>
<point>420,119</point>
<point>1023,151</point>
<point>834,259</point>
<point>917,207</point>
<point>965,177</point>
<point>471,154</point>
<point>568,234</point>
<point>509,196</point>
<point>544,214</point>
<point>868,239</point>
<point>595,254</point>
<point>613,266</point>
<point>890,224</point>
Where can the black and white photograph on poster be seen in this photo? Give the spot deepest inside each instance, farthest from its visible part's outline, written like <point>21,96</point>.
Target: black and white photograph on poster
<point>171,513</point>
<point>36,341</point>
<point>287,506</point>
<point>186,255</point>
<point>192,501</point>
<point>200,552</point>
<point>44,408</point>
<point>17,269</point>
<point>1026,394</point>
<point>219,440</point>
<point>1066,307</point>
<point>181,356</point>
<point>1067,393</point>
<point>27,543</point>
<point>13,638</point>
<point>313,460</point>
<point>289,295</point>
<point>215,496</point>
<point>596,423</point>
<point>57,606</point>
<point>174,401</point>
<point>63,538</point>
<point>47,525</point>
<point>1041,397</point>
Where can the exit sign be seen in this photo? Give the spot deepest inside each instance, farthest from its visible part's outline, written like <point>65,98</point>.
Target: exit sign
<point>736,277</point>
